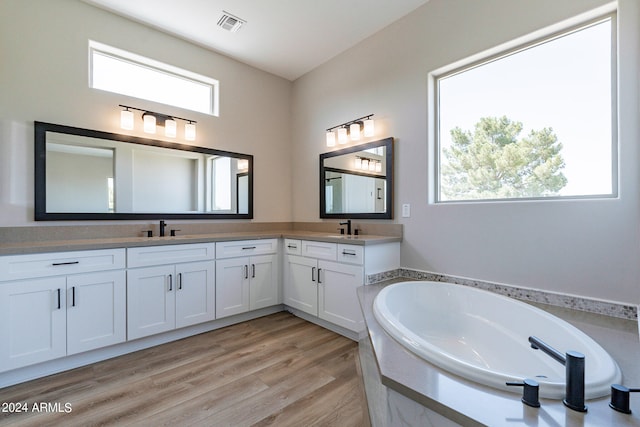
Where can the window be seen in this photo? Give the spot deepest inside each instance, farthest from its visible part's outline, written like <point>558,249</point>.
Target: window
<point>536,122</point>
<point>118,71</point>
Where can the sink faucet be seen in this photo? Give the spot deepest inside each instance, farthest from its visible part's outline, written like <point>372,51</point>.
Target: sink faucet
<point>348,224</point>
<point>162,227</point>
<point>574,368</point>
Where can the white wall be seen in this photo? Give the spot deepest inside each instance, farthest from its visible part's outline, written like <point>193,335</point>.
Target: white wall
<point>44,77</point>
<point>583,247</point>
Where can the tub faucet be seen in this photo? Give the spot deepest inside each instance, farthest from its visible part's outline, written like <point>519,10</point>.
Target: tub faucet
<point>348,224</point>
<point>162,227</point>
<point>574,368</point>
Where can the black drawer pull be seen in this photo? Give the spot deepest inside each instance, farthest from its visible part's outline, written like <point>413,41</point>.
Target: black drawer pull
<point>248,247</point>
<point>65,263</point>
<point>292,246</point>
<point>352,253</point>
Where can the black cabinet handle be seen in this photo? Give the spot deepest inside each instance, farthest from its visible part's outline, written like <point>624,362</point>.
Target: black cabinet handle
<point>73,296</point>
<point>179,280</point>
<point>246,271</point>
<point>292,246</point>
<point>55,264</point>
<point>170,282</point>
<point>253,271</point>
<point>59,306</point>
<point>345,252</point>
<point>319,270</point>
<point>313,274</point>
<point>246,248</point>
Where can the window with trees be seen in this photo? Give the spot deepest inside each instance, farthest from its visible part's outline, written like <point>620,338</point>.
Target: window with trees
<point>538,121</point>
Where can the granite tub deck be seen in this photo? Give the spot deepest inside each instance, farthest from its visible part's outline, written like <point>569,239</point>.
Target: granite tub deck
<point>468,403</point>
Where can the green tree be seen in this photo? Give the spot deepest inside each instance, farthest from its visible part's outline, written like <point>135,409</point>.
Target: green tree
<point>493,162</point>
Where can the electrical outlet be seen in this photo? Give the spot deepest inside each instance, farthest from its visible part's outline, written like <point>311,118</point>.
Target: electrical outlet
<point>406,210</point>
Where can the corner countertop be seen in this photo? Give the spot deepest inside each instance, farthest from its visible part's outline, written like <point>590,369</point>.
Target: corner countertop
<point>15,248</point>
<point>470,403</point>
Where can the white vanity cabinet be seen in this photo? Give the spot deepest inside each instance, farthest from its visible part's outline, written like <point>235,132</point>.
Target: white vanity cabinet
<point>317,284</point>
<point>169,287</point>
<point>58,304</point>
<point>246,276</point>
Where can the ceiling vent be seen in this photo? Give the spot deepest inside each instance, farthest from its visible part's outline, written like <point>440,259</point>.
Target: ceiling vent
<point>230,22</point>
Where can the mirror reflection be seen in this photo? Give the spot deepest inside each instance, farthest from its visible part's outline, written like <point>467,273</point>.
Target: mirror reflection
<point>356,182</point>
<point>84,174</point>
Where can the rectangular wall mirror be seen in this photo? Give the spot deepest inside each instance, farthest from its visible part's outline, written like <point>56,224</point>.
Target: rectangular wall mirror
<point>83,174</point>
<point>357,182</point>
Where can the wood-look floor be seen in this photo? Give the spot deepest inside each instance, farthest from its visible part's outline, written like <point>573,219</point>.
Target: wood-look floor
<point>277,370</point>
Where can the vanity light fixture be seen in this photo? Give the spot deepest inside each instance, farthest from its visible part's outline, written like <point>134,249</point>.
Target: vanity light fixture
<point>353,130</point>
<point>152,119</point>
<point>366,164</point>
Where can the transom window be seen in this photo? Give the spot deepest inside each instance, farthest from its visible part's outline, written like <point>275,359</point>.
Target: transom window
<point>123,72</point>
<point>538,121</point>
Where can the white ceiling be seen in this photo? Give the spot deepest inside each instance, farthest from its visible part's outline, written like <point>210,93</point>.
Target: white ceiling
<point>284,37</point>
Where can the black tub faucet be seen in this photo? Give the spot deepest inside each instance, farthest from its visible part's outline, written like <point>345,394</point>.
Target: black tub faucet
<point>574,368</point>
<point>162,227</point>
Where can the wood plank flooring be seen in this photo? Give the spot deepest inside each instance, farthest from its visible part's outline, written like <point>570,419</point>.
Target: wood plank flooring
<point>277,370</point>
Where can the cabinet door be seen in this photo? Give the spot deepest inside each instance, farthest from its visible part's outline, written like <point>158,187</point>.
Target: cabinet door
<point>96,310</point>
<point>263,287</point>
<point>337,299</point>
<point>232,286</point>
<point>195,293</point>
<point>150,301</point>
<point>32,321</point>
<point>300,289</point>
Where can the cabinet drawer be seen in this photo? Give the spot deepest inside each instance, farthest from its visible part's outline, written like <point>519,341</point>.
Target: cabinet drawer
<point>170,254</point>
<point>320,250</point>
<point>351,254</point>
<point>60,263</point>
<point>292,247</point>
<point>246,248</point>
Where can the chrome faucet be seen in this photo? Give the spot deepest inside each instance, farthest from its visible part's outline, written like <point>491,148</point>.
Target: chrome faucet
<point>574,371</point>
<point>162,227</point>
<point>348,224</point>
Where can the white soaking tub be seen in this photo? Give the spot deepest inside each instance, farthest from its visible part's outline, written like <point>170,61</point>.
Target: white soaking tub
<point>483,337</point>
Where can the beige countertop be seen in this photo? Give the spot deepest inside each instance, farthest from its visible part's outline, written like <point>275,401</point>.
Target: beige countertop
<point>470,403</point>
<point>14,248</point>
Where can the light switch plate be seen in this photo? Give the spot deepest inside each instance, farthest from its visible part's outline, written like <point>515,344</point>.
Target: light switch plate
<point>406,210</point>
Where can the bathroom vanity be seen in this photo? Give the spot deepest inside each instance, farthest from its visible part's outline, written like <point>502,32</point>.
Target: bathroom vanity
<point>65,304</point>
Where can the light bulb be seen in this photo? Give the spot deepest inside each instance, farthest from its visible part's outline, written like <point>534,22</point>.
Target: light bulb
<point>369,128</point>
<point>358,163</point>
<point>342,135</point>
<point>170,128</point>
<point>126,119</point>
<point>190,131</point>
<point>149,123</point>
<point>378,166</point>
<point>354,130</point>
<point>331,138</point>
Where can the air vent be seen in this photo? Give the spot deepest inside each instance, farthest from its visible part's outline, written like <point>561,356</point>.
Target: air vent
<point>230,22</point>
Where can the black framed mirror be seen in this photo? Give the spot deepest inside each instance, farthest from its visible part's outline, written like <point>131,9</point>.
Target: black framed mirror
<point>357,182</point>
<point>83,174</point>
